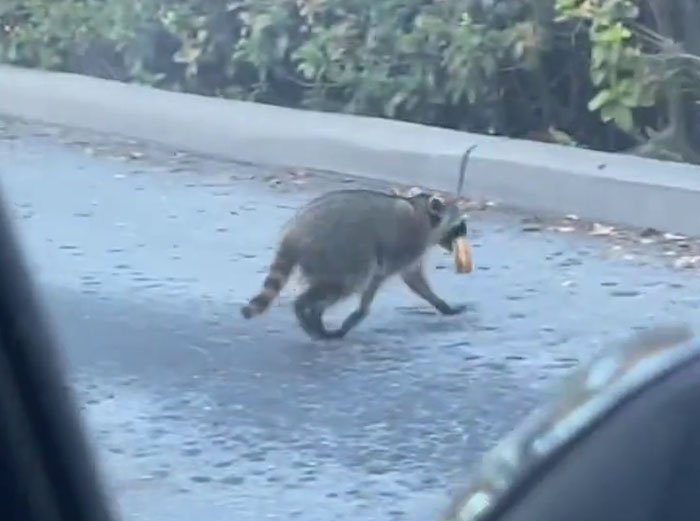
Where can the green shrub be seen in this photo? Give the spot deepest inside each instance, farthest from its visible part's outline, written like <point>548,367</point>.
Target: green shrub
<point>572,71</point>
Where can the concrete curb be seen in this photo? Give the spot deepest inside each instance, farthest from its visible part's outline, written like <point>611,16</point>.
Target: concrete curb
<point>532,176</point>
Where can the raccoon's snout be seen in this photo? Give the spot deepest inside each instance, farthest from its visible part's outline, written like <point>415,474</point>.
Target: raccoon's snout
<point>459,229</point>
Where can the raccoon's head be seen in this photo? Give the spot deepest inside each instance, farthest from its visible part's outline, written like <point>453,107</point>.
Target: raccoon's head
<point>433,205</point>
<point>445,216</point>
<point>459,229</point>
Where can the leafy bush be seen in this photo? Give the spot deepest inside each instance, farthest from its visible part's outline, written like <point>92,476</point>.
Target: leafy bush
<point>645,54</point>
<point>574,71</point>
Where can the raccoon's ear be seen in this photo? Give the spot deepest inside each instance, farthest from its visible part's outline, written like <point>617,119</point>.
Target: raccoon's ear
<point>436,205</point>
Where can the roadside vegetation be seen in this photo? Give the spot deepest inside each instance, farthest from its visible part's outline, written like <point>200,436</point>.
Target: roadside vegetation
<point>615,75</point>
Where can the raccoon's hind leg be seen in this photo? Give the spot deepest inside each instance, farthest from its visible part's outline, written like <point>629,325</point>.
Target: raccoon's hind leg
<point>416,281</point>
<point>362,310</point>
<point>310,306</point>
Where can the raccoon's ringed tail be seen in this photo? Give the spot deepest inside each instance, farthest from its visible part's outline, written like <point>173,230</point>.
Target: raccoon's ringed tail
<point>277,277</point>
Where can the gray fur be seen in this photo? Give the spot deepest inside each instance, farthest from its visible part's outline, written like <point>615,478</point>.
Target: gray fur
<point>350,241</point>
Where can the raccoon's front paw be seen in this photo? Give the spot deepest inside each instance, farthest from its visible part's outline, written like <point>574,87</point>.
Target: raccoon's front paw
<point>454,309</point>
<point>336,334</point>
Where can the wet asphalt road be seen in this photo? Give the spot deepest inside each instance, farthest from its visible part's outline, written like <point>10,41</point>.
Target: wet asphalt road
<point>144,262</point>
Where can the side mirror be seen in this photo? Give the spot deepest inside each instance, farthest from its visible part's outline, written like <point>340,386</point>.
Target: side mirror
<point>621,442</point>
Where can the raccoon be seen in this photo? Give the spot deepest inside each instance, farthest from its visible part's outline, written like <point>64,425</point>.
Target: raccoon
<point>351,241</point>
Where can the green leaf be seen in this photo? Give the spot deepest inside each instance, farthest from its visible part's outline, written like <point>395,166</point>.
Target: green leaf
<point>628,10</point>
<point>260,23</point>
<point>307,70</point>
<point>647,94</point>
<point>393,104</point>
<point>598,55</point>
<point>620,115</point>
<point>628,92</point>
<point>561,137</point>
<point>599,100</point>
<point>598,77</point>
<point>624,119</point>
<point>518,50</point>
<point>187,54</point>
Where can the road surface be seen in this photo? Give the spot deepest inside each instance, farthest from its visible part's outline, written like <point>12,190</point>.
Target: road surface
<point>145,255</point>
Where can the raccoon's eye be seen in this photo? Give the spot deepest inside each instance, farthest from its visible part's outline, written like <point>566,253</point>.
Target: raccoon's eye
<point>436,205</point>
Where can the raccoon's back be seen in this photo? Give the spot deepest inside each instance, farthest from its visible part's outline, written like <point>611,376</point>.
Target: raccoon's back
<point>340,232</point>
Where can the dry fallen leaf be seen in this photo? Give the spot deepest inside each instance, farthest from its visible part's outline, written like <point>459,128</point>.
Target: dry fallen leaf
<point>674,237</point>
<point>601,229</point>
<point>687,261</point>
<point>563,229</point>
<point>299,176</point>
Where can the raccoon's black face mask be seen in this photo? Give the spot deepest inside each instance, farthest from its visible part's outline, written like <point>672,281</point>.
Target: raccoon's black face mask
<point>457,230</point>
